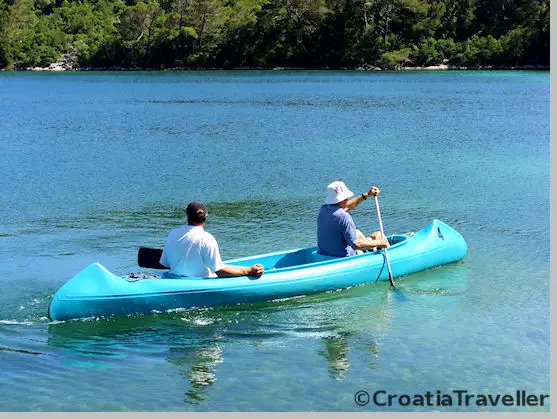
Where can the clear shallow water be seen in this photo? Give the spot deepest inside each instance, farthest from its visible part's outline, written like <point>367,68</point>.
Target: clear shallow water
<point>97,164</point>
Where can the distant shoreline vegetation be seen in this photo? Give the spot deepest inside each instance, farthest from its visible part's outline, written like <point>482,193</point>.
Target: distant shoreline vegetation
<point>274,35</point>
<point>56,68</point>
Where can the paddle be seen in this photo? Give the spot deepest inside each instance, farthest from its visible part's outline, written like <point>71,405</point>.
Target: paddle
<point>149,258</point>
<point>384,249</point>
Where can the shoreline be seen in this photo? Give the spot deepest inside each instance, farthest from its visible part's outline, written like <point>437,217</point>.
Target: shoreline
<point>67,67</point>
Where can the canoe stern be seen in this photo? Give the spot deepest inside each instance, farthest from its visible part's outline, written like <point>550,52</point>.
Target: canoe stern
<point>71,300</point>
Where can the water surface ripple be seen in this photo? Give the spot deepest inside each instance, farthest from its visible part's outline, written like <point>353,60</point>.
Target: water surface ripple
<point>97,164</point>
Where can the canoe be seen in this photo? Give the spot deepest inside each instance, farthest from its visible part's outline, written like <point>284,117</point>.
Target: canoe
<point>95,291</point>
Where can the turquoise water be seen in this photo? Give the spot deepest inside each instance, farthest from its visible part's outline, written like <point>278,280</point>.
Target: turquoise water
<point>96,165</point>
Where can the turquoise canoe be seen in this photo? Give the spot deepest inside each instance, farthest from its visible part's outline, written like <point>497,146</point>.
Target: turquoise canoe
<point>95,291</point>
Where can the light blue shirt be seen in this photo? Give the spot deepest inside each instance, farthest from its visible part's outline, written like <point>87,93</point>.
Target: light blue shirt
<point>336,231</point>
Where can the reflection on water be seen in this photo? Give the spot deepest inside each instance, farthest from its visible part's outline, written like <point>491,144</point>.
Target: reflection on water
<point>193,343</point>
<point>360,333</point>
<point>199,365</point>
<point>100,343</point>
<point>347,326</point>
<point>336,351</point>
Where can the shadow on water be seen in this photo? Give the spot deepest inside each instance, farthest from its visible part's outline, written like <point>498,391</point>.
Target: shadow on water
<point>241,226</point>
<point>196,342</point>
<point>154,216</point>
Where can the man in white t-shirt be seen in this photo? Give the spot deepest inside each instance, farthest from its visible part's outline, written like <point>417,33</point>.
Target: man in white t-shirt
<point>193,252</point>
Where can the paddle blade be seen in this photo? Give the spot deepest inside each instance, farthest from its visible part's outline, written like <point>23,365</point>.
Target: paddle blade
<point>149,258</point>
<point>399,295</point>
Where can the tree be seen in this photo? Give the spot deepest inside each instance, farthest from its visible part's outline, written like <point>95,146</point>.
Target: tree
<point>137,30</point>
<point>384,13</point>
<point>305,33</point>
<point>458,20</point>
<point>27,39</point>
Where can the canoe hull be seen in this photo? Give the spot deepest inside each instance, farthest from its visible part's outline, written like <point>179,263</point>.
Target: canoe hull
<point>95,291</point>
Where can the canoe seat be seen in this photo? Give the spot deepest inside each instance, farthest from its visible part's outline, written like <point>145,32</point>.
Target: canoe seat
<point>317,257</point>
<point>397,238</point>
<point>300,257</point>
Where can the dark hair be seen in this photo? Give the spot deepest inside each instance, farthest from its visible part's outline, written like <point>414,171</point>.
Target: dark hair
<point>196,212</point>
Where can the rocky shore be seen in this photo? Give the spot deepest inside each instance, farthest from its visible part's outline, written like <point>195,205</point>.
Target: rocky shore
<point>63,64</point>
<point>66,64</point>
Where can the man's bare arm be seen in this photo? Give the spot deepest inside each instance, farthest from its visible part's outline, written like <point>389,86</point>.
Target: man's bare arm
<point>357,200</point>
<point>229,271</point>
<point>367,243</point>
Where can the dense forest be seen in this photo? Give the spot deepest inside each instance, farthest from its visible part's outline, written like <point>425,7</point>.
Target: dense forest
<point>386,34</point>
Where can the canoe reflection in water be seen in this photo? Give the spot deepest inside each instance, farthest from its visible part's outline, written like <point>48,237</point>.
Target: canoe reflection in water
<point>142,352</point>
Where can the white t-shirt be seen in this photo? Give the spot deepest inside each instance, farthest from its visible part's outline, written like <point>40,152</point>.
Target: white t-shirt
<point>192,251</point>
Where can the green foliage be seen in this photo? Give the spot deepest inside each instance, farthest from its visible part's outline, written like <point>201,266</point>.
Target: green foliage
<point>306,33</point>
<point>393,60</point>
<point>458,20</point>
<point>447,49</point>
<point>481,51</point>
<point>26,39</point>
<point>427,54</point>
<point>514,45</point>
<point>418,19</point>
<point>5,56</point>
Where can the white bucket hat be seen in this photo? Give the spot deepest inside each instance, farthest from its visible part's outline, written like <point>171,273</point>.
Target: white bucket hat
<point>336,192</point>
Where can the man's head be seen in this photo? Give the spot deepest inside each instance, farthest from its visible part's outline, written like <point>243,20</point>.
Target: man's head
<point>337,192</point>
<point>196,212</point>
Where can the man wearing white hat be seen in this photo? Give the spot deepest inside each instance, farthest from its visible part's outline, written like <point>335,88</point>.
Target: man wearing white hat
<point>336,231</point>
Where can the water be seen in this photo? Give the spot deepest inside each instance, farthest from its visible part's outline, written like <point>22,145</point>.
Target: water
<point>95,165</point>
